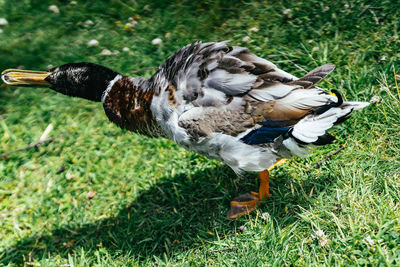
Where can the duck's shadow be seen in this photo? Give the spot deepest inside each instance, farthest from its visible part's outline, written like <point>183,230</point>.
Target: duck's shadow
<point>175,214</point>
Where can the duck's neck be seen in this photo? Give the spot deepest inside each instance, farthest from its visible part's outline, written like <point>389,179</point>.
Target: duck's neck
<point>127,103</point>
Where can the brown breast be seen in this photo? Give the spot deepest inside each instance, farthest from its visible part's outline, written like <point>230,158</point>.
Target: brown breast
<point>128,106</point>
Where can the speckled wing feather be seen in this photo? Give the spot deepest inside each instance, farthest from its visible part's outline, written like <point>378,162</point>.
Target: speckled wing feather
<point>218,88</point>
<point>314,76</point>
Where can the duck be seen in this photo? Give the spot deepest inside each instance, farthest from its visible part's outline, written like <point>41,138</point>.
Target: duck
<point>214,99</point>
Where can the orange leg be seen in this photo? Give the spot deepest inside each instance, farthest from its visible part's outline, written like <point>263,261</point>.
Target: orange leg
<point>246,203</point>
<point>263,191</point>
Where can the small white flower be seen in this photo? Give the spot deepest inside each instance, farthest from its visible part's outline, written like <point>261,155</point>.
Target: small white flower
<point>310,41</point>
<point>315,48</point>
<point>369,242</point>
<point>115,52</point>
<point>156,41</point>
<point>92,43</point>
<point>254,29</point>
<point>3,22</point>
<point>321,237</point>
<point>287,12</point>
<point>106,52</point>
<point>243,228</point>
<point>323,242</point>
<point>125,49</point>
<point>89,22</point>
<point>346,6</point>
<point>50,66</point>
<point>319,233</point>
<point>131,24</point>
<point>382,58</point>
<point>375,99</point>
<point>245,39</point>
<point>54,8</point>
<point>325,9</point>
<point>264,216</point>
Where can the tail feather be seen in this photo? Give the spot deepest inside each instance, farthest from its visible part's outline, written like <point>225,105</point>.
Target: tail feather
<point>356,105</point>
<point>312,128</point>
<point>324,140</point>
<point>314,76</point>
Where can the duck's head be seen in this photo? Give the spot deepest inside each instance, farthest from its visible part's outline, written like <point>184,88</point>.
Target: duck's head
<point>85,80</point>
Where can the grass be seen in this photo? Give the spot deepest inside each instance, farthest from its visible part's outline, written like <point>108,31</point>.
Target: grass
<point>99,195</point>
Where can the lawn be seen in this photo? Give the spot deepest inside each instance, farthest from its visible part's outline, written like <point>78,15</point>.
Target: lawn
<point>99,195</point>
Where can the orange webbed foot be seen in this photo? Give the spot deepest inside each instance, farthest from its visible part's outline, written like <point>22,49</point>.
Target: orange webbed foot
<point>246,203</point>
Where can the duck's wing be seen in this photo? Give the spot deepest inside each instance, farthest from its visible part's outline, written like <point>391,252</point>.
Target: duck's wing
<point>230,70</point>
<point>217,88</point>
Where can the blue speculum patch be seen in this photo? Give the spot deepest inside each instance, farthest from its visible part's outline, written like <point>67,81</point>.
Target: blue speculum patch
<point>266,133</point>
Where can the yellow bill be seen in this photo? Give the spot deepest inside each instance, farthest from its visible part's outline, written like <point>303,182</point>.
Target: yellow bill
<point>18,77</point>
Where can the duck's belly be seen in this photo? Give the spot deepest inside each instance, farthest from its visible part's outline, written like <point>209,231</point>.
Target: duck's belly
<point>223,147</point>
<point>233,152</point>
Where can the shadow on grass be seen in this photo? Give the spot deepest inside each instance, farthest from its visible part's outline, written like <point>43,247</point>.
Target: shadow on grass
<point>176,214</point>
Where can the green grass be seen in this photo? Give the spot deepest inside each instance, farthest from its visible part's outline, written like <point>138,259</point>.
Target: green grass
<point>157,204</point>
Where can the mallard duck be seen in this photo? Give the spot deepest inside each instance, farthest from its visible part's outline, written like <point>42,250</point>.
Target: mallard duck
<point>217,100</point>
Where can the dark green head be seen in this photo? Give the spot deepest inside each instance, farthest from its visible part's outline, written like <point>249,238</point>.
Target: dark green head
<point>85,80</point>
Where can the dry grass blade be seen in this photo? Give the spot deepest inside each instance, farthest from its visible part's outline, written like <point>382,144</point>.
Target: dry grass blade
<point>319,163</point>
<point>33,145</point>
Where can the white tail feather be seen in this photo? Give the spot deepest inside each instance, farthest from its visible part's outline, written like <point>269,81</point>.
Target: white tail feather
<point>357,105</point>
<point>312,126</point>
